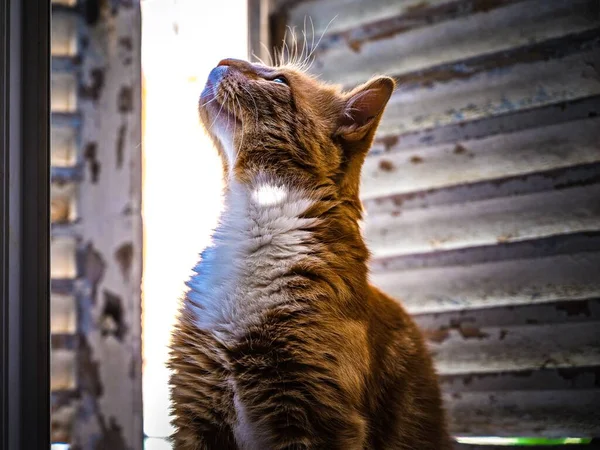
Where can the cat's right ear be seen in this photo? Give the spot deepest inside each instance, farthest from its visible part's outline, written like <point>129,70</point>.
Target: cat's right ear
<point>364,107</point>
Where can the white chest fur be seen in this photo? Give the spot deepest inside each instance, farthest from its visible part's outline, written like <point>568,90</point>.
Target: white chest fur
<point>260,237</point>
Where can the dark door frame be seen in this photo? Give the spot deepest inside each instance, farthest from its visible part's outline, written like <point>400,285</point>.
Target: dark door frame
<point>24,218</point>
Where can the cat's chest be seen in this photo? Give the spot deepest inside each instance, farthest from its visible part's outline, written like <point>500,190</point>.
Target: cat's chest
<point>245,272</point>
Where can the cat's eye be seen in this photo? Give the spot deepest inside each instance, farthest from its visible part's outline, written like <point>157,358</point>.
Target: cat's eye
<point>280,79</point>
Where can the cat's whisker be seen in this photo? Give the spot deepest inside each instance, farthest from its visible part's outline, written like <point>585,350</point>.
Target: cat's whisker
<point>283,48</point>
<point>322,34</point>
<point>287,47</point>
<point>292,50</point>
<point>258,58</point>
<point>268,53</point>
<point>219,113</point>
<point>202,105</point>
<point>312,24</point>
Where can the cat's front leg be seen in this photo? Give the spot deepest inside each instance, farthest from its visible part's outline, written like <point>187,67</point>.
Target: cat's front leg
<point>201,396</point>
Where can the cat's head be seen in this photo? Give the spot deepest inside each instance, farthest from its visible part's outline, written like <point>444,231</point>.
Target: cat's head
<point>281,121</point>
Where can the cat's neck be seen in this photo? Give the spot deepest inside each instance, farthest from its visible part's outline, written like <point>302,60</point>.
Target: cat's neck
<point>275,240</point>
<point>269,207</point>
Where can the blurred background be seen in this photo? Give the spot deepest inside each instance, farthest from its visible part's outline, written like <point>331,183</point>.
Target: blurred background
<point>482,193</point>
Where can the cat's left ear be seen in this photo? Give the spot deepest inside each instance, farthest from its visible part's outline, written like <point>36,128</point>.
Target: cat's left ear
<point>363,108</point>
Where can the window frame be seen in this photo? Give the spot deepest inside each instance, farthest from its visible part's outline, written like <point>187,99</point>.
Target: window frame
<point>24,217</point>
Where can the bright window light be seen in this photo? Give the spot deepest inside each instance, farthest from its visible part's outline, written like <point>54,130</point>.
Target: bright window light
<point>182,40</point>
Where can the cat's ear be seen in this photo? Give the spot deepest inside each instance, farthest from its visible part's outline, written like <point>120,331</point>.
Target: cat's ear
<point>363,108</point>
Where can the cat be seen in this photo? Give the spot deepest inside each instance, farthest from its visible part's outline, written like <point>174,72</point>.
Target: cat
<point>281,342</point>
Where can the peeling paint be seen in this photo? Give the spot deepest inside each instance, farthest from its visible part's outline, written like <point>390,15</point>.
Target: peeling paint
<point>124,256</point>
<point>90,156</point>
<point>459,149</point>
<point>120,145</point>
<point>386,165</point>
<point>94,268</point>
<point>126,43</point>
<point>102,407</point>
<point>112,319</point>
<point>125,100</point>
<point>93,90</point>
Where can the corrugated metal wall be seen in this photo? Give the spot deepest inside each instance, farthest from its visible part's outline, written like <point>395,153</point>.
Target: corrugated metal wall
<point>483,193</point>
<point>96,244</point>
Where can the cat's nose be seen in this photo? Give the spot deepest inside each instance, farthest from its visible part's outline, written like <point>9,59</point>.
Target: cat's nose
<point>232,62</point>
<point>216,74</point>
<point>241,65</point>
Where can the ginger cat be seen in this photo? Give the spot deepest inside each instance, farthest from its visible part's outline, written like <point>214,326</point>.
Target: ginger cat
<point>281,342</point>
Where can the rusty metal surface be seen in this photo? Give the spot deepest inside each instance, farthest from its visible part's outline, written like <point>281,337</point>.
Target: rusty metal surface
<point>482,193</point>
<point>496,283</point>
<point>411,170</point>
<point>498,30</point>
<point>486,94</point>
<point>484,222</point>
<point>96,227</point>
<point>549,413</point>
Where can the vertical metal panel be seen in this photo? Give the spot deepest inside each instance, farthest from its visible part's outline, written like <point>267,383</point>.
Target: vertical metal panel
<point>481,193</point>
<point>96,225</point>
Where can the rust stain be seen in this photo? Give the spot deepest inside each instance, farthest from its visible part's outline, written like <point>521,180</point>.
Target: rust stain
<point>93,90</point>
<point>438,336</point>
<point>416,159</point>
<point>90,155</point>
<point>126,43</point>
<point>125,100</point>
<point>127,210</point>
<point>459,149</point>
<point>471,332</point>
<point>124,256</point>
<point>388,142</point>
<point>386,165</point>
<point>354,44</point>
<point>120,146</point>
<point>112,320</point>
<point>94,268</point>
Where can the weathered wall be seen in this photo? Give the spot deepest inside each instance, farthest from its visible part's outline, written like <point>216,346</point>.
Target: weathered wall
<point>96,230</point>
<point>482,192</point>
